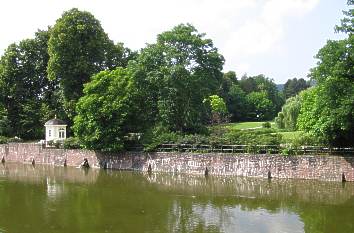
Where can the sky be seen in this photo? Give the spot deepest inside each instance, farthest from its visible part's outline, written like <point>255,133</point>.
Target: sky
<point>277,38</point>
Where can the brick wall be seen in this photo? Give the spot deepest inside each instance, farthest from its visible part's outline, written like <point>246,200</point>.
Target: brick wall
<point>328,168</point>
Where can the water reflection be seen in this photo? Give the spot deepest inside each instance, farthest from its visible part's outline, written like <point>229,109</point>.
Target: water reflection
<point>56,199</point>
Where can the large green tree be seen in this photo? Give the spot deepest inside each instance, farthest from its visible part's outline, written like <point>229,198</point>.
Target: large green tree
<point>328,110</point>
<point>103,113</point>
<point>78,48</point>
<point>24,85</point>
<point>175,75</point>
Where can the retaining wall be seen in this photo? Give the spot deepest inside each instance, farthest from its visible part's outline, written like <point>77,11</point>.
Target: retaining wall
<point>327,168</point>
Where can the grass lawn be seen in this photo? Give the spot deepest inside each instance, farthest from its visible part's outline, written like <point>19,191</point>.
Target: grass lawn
<point>244,125</point>
<point>286,136</point>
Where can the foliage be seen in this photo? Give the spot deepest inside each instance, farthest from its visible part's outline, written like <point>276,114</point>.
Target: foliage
<point>78,48</point>
<point>253,137</point>
<point>103,112</point>
<point>24,86</point>
<point>167,75</point>
<point>347,23</point>
<point>3,140</point>
<point>157,136</point>
<point>327,111</point>
<point>287,118</point>
<point>266,125</point>
<point>228,80</point>
<point>261,108</point>
<point>236,103</point>
<point>217,107</point>
<point>4,122</point>
<point>14,140</point>
<point>72,143</point>
<point>251,98</point>
<point>293,86</point>
<point>260,83</point>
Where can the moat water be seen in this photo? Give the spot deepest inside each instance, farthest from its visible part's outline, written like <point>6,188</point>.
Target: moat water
<point>56,199</point>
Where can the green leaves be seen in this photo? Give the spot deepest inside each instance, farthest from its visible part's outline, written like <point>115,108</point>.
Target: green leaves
<point>287,118</point>
<point>175,75</point>
<point>78,48</point>
<point>103,112</point>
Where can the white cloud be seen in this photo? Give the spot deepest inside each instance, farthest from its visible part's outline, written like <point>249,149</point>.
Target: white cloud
<point>239,28</point>
<point>262,33</point>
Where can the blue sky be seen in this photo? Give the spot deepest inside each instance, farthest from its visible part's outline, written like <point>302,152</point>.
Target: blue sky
<point>277,38</point>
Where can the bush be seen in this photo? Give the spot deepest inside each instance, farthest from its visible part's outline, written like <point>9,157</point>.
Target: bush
<point>304,139</point>
<point>3,140</point>
<point>52,143</point>
<point>157,136</point>
<point>72,143</point>
<point>14,140</point>
<point>266,125</point>
<point>289,149</point>
<point>253,137</point>
<point>195,139</point>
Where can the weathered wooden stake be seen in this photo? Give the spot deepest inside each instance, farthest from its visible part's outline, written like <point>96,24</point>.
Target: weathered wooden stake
<point>86,163</point>
<point>206,172</point>
<point>269,175</point>
<point>343,178</point>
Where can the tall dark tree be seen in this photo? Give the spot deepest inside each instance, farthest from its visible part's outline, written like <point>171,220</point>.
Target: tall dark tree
<point>24,85</point>
<point>293,86</point>
<point>78,48</point>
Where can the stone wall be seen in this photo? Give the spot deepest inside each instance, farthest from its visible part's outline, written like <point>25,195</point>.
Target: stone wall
<point>328,168</point>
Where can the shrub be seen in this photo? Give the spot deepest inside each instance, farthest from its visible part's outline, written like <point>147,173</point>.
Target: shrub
<point>3,140</point>
<point>14,140</point>
<point>157,136</point>
<point>255,137</point>
<point>266,125</point>
<point>52,143</point>
<point>72,143</point>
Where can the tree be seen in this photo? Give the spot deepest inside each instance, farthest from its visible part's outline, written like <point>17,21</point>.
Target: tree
<point>347,23</point>
<point>4,122</point>
<point>293,86</point>
<point>327,110</point>
<point>78,48</point>
<point>287,118</point>
<point>175,75</point>
<point>217,107</point>
<point>103,112</point>
<point>237,104</point>
<point>24,85</point>
<point>228,79</point>
<point>261,108</point>
<point>260,83</point>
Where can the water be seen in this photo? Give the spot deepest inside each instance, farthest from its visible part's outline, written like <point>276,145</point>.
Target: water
<point>56,199</point>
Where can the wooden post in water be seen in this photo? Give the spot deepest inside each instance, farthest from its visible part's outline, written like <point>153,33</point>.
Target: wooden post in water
<point>343,178</point>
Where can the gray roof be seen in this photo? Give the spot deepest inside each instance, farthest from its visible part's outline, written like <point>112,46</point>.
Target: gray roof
<point>55,121</point>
